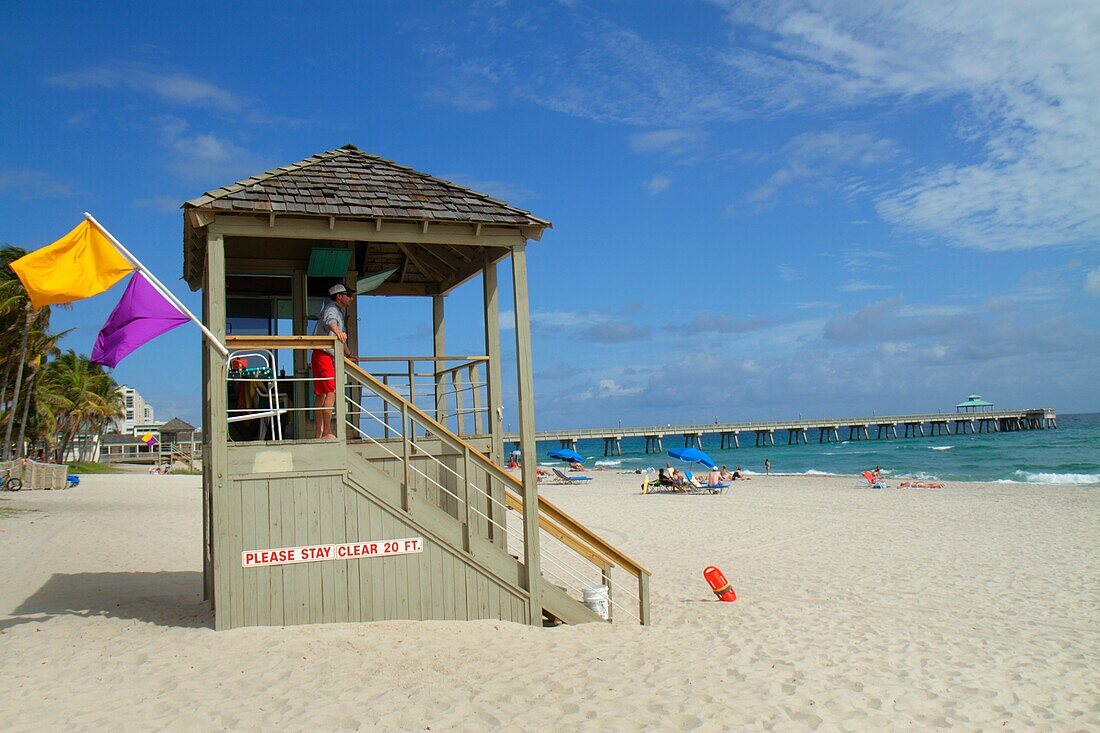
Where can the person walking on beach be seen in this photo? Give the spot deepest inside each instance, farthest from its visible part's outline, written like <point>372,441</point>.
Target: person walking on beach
<point>323,361</point>
<point>767,467</point>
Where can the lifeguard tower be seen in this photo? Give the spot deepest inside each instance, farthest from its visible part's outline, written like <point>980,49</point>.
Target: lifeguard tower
<point>408,513</point>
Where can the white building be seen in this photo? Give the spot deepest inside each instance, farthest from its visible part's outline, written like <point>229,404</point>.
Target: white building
<point>137,410</point>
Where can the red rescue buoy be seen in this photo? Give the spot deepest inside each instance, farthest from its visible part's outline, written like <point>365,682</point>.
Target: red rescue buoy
<point>719,584</point>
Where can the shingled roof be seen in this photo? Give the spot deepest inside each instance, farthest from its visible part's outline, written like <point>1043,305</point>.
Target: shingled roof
<point>347,182</point>
<point>175,425</point>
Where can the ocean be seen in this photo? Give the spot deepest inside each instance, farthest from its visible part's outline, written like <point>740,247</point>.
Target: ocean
<point>1068,455</point>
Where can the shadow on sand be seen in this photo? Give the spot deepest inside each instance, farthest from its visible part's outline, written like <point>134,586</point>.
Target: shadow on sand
<point>163,598</point>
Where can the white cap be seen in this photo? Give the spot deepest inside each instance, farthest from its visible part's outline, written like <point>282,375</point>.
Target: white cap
<point>338,288</point>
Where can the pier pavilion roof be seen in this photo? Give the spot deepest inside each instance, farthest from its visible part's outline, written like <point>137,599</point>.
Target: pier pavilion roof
<point>974,401</point>
<point>348,184</point>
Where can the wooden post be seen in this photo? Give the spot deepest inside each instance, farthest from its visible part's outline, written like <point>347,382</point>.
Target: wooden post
<point>406,455</point>
<point>525,398</point>
<point>494,400</point>
<point>303,391</point>
<point>474,377</point>
<point>460,413</point>
<point>439,349</point>
<point>224,563</point>
<point>207,482</point>
<point>340,419</point>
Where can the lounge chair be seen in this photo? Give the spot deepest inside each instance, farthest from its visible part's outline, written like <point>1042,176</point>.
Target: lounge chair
<point>654,483</point>
<point>874,481</point>
<point>697,487</point>
<point>570,479</point>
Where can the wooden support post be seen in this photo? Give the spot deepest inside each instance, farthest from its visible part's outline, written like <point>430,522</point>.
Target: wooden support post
<point>460,412</point>
<point>467,510</point>
<point>339,423</point>
<point>605,579</point>
<point>525,394</point>
<point>494,399</point>
<point>643,599</point>
<point>439,349</point>
<point>406,455</point>
<point>228,610</point>
<point>207,480</point>
<point>412,397</point>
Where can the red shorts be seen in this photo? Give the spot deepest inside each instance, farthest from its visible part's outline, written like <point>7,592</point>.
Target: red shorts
<point>324,373</point>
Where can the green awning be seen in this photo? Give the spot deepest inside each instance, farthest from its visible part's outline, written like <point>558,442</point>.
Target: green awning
<point>324,262</point>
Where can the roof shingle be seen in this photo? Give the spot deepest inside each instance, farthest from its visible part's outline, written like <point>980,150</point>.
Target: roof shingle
<point>349,182</point>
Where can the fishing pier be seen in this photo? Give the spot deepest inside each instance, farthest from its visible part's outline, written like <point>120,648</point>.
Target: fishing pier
<point>796,432</point>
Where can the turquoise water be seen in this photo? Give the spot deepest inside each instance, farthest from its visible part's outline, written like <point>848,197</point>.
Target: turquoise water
<point>1068,455</point>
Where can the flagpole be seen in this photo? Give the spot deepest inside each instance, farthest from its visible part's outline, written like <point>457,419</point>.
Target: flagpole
<point>158,285</point>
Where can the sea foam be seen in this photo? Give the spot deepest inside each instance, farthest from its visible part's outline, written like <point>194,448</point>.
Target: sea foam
<point>1058,478</point>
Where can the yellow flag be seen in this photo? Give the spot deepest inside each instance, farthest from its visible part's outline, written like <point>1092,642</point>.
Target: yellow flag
<point>81,264</point>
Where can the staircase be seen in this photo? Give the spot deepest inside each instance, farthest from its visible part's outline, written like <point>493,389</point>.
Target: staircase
<point>422,475</point>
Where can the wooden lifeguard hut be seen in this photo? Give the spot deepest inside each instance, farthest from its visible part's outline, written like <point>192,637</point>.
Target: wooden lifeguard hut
<point>408,513</point>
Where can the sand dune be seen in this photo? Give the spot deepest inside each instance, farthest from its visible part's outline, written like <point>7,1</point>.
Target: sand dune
<point>969,608</point>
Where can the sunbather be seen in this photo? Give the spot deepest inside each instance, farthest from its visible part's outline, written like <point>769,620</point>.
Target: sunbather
<point>920,485</point>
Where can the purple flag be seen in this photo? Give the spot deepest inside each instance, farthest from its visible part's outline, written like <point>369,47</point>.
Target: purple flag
<point>141,316</point>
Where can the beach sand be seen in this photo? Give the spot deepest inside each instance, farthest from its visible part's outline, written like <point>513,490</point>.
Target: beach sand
<point>974,607</point>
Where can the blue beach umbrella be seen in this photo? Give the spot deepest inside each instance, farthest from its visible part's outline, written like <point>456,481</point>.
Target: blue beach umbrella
<point>567,455</point>
<point>692,455</point>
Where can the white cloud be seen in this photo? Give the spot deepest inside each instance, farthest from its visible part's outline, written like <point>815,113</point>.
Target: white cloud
<point>657,184</point>
<point>819,156</point>
<point>177,88</point>
<point>32,184</point>
<point>608,388</point>
<point>1092,282</point>
<point>160,204</point>
<point>1020,79</point>
<point>1025,74</point>
<point>503,190</point>
<point>674,141</point>
<point>857,286</point>
<point>205,157</point>
<point>788,273</point>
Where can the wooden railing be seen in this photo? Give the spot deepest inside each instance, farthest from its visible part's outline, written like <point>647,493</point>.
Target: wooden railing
<point>458,392</point>
<point>557,529</point>
<point>553,521</point>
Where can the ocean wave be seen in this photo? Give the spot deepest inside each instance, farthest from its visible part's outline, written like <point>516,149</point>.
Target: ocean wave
<point>808,472</point>
<point>1029,477</point>
<point>941,447</point>
<point>609,463</point>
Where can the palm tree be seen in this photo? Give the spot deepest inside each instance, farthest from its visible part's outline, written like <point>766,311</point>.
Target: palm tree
<point>18,320</point>
<point>42,346</point>
<point>81,397</point>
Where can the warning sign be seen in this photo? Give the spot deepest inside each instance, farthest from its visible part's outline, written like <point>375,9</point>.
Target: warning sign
<point>316,553</point>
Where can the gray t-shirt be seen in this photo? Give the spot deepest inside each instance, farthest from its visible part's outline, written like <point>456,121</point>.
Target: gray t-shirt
<point>330,314</point>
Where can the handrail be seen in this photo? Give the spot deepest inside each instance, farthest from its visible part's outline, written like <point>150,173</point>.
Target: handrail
<point>552,511</point>
<point>421,358</point>
<point>280,342</point>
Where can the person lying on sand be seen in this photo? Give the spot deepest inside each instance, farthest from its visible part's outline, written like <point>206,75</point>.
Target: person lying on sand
<point>920,485</point>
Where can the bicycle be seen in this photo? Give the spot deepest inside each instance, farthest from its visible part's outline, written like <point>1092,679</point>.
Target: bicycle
<point>10,483</point>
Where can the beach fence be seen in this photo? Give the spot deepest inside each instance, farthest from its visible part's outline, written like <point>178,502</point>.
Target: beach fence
<point>35,475</point>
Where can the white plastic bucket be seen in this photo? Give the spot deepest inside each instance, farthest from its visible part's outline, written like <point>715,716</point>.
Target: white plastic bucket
<point>596,600</point>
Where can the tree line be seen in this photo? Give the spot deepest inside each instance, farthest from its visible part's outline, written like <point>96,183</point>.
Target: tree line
<point>48,397</point>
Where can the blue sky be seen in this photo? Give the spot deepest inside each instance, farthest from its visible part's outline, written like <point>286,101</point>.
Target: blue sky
<point>760,209</point>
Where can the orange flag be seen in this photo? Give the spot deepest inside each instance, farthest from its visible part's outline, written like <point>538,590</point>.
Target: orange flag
<point>81,264</point>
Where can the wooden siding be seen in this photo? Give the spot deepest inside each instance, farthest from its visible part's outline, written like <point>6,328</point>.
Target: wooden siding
<point>304,507</point>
